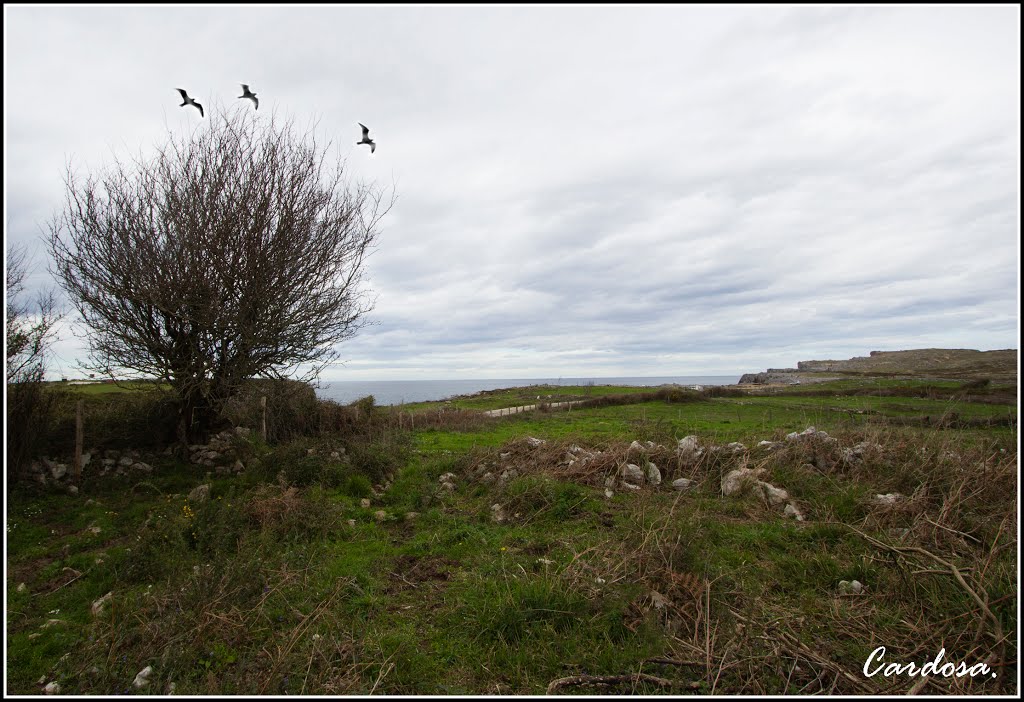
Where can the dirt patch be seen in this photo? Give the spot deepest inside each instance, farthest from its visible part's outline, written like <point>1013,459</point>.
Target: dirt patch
<point>412,571</point>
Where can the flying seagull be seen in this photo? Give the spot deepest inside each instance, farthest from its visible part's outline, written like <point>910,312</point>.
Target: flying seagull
<point>190,101</point>
<point>366,138</point>
<point>246,93</point>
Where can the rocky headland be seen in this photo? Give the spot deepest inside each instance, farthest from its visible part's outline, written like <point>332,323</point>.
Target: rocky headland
<point>936,364</point>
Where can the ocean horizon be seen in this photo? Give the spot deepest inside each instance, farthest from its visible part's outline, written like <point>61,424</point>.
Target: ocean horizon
<point>399,392</point>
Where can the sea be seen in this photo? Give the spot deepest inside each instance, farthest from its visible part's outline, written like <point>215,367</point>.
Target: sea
<point>399,392</point>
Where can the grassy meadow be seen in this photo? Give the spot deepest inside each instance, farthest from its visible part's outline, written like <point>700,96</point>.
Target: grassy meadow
<point>341,563</point>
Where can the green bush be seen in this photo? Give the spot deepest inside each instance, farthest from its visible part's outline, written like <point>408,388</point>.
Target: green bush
<point>138,419</point>
<point>292,408</point>
<point>357,486</point>
<point>294,462</point>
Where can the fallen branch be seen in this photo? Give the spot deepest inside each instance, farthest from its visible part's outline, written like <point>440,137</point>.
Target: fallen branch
<point>670,661</point>
<point>635,678</point>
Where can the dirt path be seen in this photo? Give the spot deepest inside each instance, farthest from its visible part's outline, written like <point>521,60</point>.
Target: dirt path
<point>526,408</point>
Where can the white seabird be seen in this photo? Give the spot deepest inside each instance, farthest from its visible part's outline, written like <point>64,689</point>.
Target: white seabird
<point>190,101</point>
<point>366,138</point>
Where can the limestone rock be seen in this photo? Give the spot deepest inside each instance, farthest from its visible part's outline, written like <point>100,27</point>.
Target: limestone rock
<point>792,511</point>
<point>689,449</point>
<point>774,495</point>
<point>848,587</point>
<point>653,474</point>
<point>631,473</point>
<point>200,493</point>
<point>142,678</point>
<point>52,688</point>
<point>98,605</point>
<point>535,442</point>
<point>887,500</point>
<point>683,484</point>
<point>735,480</point>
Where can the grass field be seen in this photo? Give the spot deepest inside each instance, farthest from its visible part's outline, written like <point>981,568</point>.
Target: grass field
<point>283,582</point>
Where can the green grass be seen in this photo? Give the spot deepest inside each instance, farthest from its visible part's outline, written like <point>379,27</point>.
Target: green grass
<point>100,388</point>
<point>269,589</point>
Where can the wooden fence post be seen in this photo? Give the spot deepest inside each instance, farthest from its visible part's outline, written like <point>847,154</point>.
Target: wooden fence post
<point>263,419</point>
<point>79,433</point>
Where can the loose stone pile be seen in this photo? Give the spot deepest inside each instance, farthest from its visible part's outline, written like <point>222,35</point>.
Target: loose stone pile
<point>637,468</point>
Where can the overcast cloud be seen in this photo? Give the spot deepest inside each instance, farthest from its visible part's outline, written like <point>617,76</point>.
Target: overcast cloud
<point>590,191</point>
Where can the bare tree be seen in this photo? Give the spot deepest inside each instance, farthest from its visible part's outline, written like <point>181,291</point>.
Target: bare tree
<point>30,331</point>
<point>233,253</point>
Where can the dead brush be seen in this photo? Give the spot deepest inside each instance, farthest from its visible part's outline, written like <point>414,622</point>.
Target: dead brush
<point>287,511</point>
<point>673,594</point>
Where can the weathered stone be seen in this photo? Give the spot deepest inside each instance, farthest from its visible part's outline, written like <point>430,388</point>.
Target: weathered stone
<point>239,467</point>
<point>72,490</point>
<point>58,470</point>
<point>735,480</point>
<point>352,522</point>
<point>52,623</point>
<point>792,511</point>
<point>535,442</point>
<point>108,462</point>
<point>22,587</point>
<point>630,486</point>
<point>689,449</point>
<point>364,503</point>
<point>125,461</point>
<point>509,474</point>
<point>142,677</point>
<point>774,495</point>
<point>609,493</point>
<point>636,446</point>
<point>98,605</point>
<point>653,474</point>
<point>380,515</point>
<point>632,473</point>
<point>683,484</point>
<point>504,456</point>
<point>410,516</point>
<point>736,447</point>
<point>848,587</point>
<point>200,493</point>
<point>52,688</point>
<point>143,467</point>
<point>497,513</point>
<point>243,431</point>
<point>887,500</point>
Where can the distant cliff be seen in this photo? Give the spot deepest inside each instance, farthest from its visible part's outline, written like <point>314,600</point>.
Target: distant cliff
<point>999,365</point>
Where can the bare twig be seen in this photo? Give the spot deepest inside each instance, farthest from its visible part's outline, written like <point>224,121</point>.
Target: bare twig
<point>633,678</point>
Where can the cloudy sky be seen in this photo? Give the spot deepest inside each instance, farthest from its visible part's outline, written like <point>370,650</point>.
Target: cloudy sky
<point>590,191</point>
